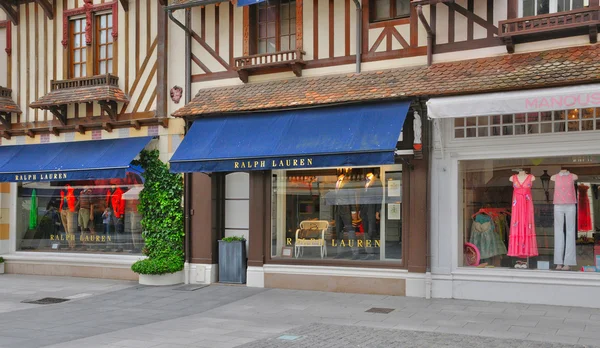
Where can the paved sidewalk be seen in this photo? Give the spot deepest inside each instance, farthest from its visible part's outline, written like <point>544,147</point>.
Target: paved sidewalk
<point>123,314</point>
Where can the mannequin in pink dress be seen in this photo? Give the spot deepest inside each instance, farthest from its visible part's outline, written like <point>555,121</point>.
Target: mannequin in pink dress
<point>522,241</point>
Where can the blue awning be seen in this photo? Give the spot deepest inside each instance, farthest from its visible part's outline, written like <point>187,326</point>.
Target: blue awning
<point>241,3</point>
<point>310,138</point>
<point>81,160</point>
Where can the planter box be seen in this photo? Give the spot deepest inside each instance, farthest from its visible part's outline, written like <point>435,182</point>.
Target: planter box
<point>162,279</point>
<point>232,262</point>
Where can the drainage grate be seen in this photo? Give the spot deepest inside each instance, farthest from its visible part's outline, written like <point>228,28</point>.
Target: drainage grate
<point>46,300</point>
<point>380,310</point>
<point>191,287</point>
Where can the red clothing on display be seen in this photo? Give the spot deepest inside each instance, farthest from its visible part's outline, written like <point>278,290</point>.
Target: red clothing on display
<point>69,198</point>
<point>522,241</point>
<point>584,216</point>
<point>116,201</point>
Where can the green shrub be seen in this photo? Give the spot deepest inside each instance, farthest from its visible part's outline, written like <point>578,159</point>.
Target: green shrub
<point>233,239</point>
<point>1,259</point>
<point>162,217</point>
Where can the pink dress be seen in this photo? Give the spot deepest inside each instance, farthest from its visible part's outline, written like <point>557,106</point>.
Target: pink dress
<point>522,240</point>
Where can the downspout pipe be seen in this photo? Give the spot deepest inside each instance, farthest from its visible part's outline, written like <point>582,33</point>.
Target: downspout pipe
<point>430,34</point>
<point>187,97</point>
<point>358,34</point>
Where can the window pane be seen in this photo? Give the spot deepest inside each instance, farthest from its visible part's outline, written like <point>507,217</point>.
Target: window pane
<point>285,43</point>
<point>83,70</point>
<point>77,41</point>
<point>110,66</point>
<point>262,46</point>
<point>507,130</point>
<point>382,9</point>
<point>588,113</point>
<point>109,35</point>
<point>563,5</point>
<point>102,67</point>
<point>284,12</point>
<point>471,121</point>
<point>543,7</point>
<point>110,51</point>
<point>496,119</point>
<point>102,50</point>
<point>292,27</point>
<point>262,31</point>
<point>402,8</point>
<point>483,131</point>
<point>471,132</point>
<point>284,28</point>
<point>459,122</point>
<point>528,8</point>
<point>272,14</point>
<point>262,15</point>
<point>546,116</point>
<point>102,21</point>
<point>77,26</point>
<point>76,56</point>
<point>578,4</point>
<point>83,54</point>
<point>271,30</point>
<point>520,129</point>
<point>507,119</point>
<point>293,42</point>
<point>76,69</point>
<point>533,129</point>
<point>103,37</point>
<point>520,118</point>
<point>532,117</point>
<point>110,23</point>
<point>587,125</point>
<point>546,127</point>
<point>495,131</point>
<point>459,133</point>
<point>560,115</point>
<point>483,120</point>
<point>271,46</point>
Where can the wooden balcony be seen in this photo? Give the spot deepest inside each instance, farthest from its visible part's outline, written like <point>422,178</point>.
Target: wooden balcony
<point>585,20</point>
<point>93,81</point>
<point>5,92</point>
<point>284,59</point>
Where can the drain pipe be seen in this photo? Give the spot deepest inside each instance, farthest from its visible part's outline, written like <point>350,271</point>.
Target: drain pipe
<point>186,176</point>
<point>430,34</point>
<point>358,34</point>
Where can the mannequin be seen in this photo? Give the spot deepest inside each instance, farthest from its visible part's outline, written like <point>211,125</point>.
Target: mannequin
<point>369,211</point>
<point>522,241</point>
<point>565,201</point>
<point>343,216</point>
<point>116,205</point>
<point>67,213</point>
<point>85,207</point>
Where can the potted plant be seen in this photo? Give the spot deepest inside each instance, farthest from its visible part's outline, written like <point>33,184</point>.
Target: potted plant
<point>1,265</point>
<point>232,260</point>
<point>162,223</point>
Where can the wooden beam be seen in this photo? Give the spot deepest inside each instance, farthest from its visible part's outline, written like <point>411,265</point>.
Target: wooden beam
<point>162,2</point>
<point>46,5</point>
<point>79,128</point>
<point>54,131</point>
<point>6,135</point>
<point>5,119</point>
<point>30,133</point>
<point>125,4</point>
<point>12,13</point>
<point>107,127</point>
<point>165,122</point>
<point>472,16</point>
<point>110,107</point>
<point>136,125</point>
<point>60,112</point>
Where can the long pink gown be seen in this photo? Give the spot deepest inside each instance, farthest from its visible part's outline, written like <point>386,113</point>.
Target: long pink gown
<point>522,240</point>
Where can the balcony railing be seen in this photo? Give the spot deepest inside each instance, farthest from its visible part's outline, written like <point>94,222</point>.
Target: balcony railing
<point>585,17</point>
<point>293,59</point>
<point>5,92</point>
<point>98,80</point>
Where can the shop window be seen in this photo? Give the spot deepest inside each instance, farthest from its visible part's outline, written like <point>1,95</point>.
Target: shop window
<point>100,55</point>
<point>275,26</point>
<point>537,213</point>
<point>382,10</point>
<point>532,123</point>
<point>97,216</point>
<point>539,7</point>
<point>345,214</point>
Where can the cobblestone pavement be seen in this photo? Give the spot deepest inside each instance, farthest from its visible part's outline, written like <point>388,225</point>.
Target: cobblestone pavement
<point>344,336</point>
<point>111,314</point>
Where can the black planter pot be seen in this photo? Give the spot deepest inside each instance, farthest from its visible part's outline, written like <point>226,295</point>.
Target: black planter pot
<point>232,262</point>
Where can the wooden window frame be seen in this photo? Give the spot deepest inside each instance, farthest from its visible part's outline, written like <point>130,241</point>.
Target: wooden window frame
<point>98,45</point>
<point>72,48</point>
<point>254,27</point>
<point>392,12</point>
<point>553,7</point>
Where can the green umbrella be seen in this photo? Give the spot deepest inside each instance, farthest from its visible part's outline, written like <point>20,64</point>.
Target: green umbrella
<point>33,213</point>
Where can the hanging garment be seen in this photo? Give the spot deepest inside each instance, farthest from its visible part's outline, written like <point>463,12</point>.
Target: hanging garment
<point>522,240</point>
<point>484,237</point>
<point>564,189</point>
<point>33,211</point>
<point>564,241</point>
<point>584,218</point>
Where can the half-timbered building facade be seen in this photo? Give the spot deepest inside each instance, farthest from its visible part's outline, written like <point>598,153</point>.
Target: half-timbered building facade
<point>414,116</point>
<point>80,97</point>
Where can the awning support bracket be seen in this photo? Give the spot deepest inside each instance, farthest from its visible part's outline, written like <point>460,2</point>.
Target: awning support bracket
<point>60,112</point>
<point>110,107</point>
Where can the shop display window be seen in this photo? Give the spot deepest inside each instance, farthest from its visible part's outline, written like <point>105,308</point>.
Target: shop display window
<point>538,213</point>
<point>91,216</point>
<point>338,213</point>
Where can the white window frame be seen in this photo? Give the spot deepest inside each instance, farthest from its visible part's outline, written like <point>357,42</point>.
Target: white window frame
<point>553,6</point>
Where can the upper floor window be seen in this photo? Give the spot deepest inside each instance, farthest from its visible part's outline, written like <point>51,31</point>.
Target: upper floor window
<point>78,48</point>
<point>275,26</point>
<point>98,56</point>
<point>104,44</point>
<point>382,10</point>
<point>540,7</point>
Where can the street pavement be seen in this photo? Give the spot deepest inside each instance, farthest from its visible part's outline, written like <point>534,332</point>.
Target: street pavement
<point>111,314</point>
